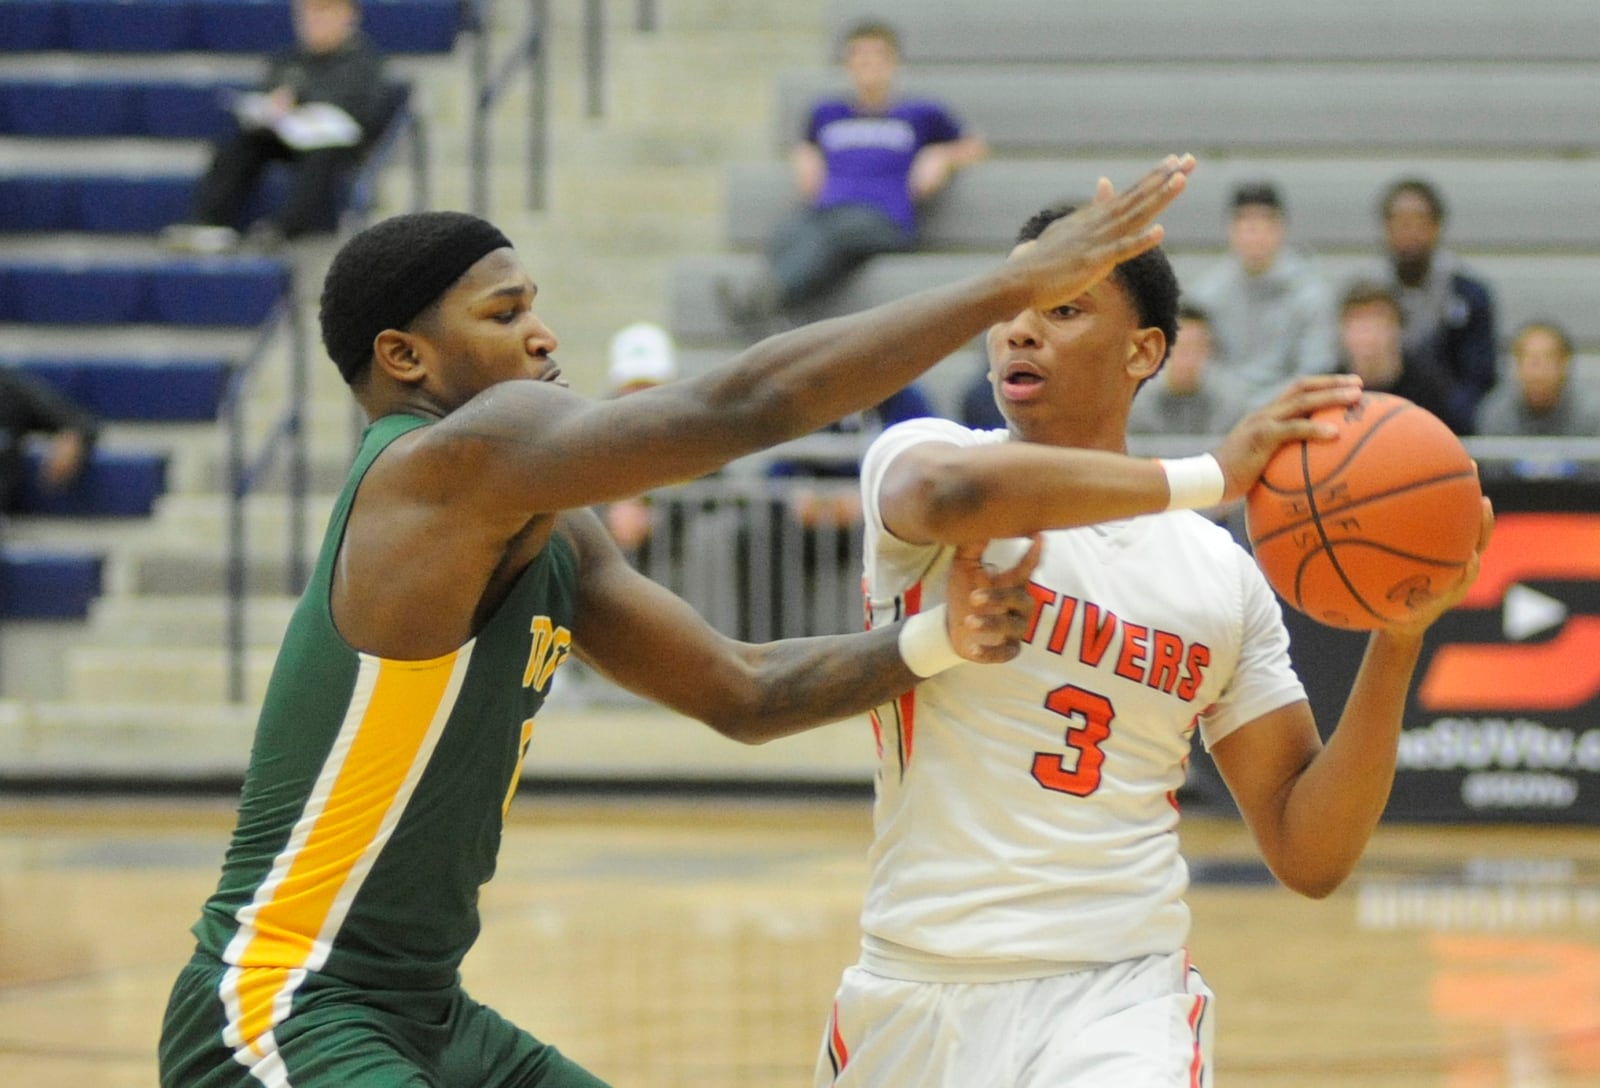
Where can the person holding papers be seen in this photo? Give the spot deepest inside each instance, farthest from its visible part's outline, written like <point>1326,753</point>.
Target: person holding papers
<point>319,101</point>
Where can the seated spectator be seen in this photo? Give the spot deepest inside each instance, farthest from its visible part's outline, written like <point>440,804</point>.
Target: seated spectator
<point>642,357</point>
<point>1541,398</point>
<point>30,407</point>
<point>1447,315</point>
<point>1272,312</point>
<point>864,165</point>
<point>320,100</point>
<point>1186,397</point>
<point>1371,345</point>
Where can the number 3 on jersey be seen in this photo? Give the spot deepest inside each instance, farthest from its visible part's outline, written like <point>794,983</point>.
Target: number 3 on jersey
<point>1091,715</point>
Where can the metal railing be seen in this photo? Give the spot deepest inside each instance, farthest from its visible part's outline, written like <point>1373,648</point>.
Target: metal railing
<point>490,82</point>
<point>285,440</point>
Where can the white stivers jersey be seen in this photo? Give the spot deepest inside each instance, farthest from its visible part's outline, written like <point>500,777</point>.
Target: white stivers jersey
<point>1025,821</point>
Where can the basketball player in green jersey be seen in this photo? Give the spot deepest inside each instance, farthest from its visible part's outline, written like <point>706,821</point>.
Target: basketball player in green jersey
<point>459,568</point>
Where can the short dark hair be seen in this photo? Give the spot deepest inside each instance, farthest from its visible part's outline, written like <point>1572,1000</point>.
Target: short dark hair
<point>1419,187</point>
<point>872,28</point>
<point>389,274</point>
<point>1364,292</point>
<point>1148,278</point>
<point>1261,194</point>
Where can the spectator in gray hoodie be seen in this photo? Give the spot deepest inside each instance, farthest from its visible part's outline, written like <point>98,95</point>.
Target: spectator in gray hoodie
<point>1273,316</point>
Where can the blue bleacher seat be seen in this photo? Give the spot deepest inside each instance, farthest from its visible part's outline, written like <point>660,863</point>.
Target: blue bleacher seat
<point>243,26</point>
<point>65,106</point>
<point>412,26</point>
<point>122,26</point>
<point>179,110</point>
<point>38,203</point>
<point>237,291</point>
<point>131,205</point>
<point>221,26</point>
<point>114,484</point>
<point>138,390</point>
<point>37,584</point>
<point>241,291</point>
<point>32,25</point>
<point>67,293</point>
<point>105,204</point>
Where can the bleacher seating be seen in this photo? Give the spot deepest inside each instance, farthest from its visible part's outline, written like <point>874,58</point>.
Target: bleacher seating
<point>1332,203</point>
<point>79,106</point>
<point>213,26</point>
<point>1489,101</point>
<point>193,292</point>
<point>114,484</point>
<point>1046,31</point>
<point>128,390</point>
<point>1525,287</point>
<point>1232,109</point>
<point>41,584</point>
<point>59,95</point>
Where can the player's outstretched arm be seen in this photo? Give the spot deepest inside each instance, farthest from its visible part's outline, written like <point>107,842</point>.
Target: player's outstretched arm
<point>537,448</point>
<point>1312,809</point>
<point>941,493</point>
<point>653,643</point>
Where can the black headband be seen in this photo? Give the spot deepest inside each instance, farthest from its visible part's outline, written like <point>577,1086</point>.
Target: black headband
<point>404,290</point>
<point>388,274</point>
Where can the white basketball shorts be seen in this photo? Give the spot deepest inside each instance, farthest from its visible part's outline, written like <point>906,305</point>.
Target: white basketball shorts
<point>1144,1023</point>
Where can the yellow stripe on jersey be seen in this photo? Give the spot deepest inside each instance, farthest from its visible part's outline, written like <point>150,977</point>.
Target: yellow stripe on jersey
<point>397,711</point>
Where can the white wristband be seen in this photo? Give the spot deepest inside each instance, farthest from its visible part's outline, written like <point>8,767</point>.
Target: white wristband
<point>1193,483</point>
<point>925,645</point>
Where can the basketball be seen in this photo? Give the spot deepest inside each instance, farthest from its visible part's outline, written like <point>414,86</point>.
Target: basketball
<point>1361,531</point>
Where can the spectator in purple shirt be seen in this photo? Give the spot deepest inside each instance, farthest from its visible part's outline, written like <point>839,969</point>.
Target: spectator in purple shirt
<point>864,165</point>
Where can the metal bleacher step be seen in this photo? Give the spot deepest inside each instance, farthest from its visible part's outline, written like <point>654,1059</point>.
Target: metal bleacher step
<point>144,674</point>
<point>127,740</point>
<point>126,156</point>
<point>185,622</point>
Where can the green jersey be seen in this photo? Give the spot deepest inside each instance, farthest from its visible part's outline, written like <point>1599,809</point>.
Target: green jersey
<point>372,807</point>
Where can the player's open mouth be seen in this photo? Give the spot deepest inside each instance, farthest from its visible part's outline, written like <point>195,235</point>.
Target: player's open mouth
<point>1020,378</point>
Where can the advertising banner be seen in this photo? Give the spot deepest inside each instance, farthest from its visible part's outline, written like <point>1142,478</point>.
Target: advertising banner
<point>1503,723</point>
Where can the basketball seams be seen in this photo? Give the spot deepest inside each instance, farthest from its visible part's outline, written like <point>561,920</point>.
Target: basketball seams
<point>1350,455</point>
<point>1417,485</point>
<point>1326,546</point>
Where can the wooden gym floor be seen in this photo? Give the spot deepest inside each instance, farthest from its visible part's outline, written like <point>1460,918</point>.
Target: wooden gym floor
<point>675,943</point>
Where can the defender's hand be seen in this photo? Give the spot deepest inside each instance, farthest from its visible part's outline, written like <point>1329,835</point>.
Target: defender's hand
<point>1079,250</point>
<point>988,611</point>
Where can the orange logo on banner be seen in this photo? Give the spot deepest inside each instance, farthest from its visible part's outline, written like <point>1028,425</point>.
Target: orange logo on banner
<point>1558,674</point>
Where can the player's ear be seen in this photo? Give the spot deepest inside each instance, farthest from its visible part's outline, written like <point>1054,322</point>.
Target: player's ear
<point>398,354</point>
<point>1146,349</point>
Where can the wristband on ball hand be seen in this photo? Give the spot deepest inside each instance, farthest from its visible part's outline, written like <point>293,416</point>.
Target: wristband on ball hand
<point>1193,483</point>
<point>925,645</point>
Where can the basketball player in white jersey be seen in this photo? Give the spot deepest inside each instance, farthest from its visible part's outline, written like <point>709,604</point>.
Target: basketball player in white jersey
<point>1024,926</point>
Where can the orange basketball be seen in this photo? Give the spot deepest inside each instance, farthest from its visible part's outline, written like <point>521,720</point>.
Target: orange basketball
<point>1360,531</point>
